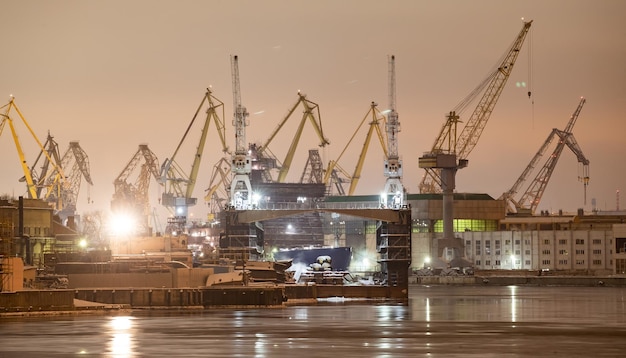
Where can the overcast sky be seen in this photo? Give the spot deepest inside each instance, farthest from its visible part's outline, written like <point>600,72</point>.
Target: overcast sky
<point>116,74</point>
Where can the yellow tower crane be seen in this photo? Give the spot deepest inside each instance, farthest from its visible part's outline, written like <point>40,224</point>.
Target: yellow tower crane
<point>449,153</point>
<point>310,113</point>
<point>179,185</point>
<point>448,143</point>
<point>375,125</point>
<point>32,184</point>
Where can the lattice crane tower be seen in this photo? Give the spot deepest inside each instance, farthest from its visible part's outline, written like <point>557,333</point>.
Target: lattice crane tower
<point>393,194</point>
<point>240,189</point>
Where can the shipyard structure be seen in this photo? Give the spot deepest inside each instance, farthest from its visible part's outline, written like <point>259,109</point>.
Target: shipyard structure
<point>397,242</point>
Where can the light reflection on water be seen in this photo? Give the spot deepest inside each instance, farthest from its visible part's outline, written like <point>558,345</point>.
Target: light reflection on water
<point>474,321</point>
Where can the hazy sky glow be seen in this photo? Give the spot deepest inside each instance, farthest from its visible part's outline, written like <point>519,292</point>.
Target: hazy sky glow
<point>116,74</point>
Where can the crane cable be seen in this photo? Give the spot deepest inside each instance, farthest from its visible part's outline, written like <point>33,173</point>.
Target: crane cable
<point>530,76</point>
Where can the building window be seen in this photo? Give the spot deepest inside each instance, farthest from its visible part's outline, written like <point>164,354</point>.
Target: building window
<point>597,242</point>
<point>517,252</point>
<point>580,262</point>
<point>597,262</point>
<point>546,242</point>
<point>517,242</point>
<point>580,241</point>
<point>597,252</point>
<point>526,242</point>
<point>487,262</point>
<point>37,231</point>
<point>497,262</point>
<point>562,252</point>
<point>545,262</point>
<point>580,252</point>
<point>562,242</point>
<point>468,243</point>
<point>497,252</point>
<point>507,242</point>
<point>527,262</point>
<point>562,262</point>
<point>545,252</point>
<point>477,262</point>
<point>527,252</point>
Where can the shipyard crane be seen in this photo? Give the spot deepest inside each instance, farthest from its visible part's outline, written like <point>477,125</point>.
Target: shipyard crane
<point>448,147</point>
<point>61,191</point>
<point>375,125</point>
<point>450,152</point>
<point>218,194</point>
<point>179,185</point>
<point>75,164</point>
<point>313,172</point>
<point>131,198</point>
<point>310,113</point>
<point>529,201</point>
<point>55,172</point>
<point>241,195</point>
<point>393,193</point>
<point>45,179</point>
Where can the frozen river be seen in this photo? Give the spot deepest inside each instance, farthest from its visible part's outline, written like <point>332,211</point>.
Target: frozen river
<point>439,321</point>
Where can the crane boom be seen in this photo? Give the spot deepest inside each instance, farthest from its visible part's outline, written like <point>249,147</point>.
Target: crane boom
<point>530,199</point>
<point>374,126</point>
<point>462,145</point>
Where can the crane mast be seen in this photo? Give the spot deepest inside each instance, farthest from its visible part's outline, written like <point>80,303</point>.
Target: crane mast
<point>393,193</point>
<point>447,143</point>
<point>529,201</point>
<point>240,190</point>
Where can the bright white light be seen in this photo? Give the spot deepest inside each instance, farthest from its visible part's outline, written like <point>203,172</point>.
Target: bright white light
<point>122,323</point>
<point>366,262</point>
<point>427,259</point>
<point>256,198</point>
<point>82,243</point>
<point>122,224</point>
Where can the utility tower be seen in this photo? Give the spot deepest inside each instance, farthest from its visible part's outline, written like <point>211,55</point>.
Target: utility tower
<point>393,194</point>
<point>240,189</point>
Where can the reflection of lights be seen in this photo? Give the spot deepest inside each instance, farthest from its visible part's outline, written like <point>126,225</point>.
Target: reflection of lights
<point>122,337</point>
<point>513,290</point>
<point>82,243</point>
<point>427,309</point>
<point>122,323</point>
<point>427,259</point>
